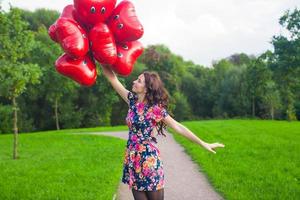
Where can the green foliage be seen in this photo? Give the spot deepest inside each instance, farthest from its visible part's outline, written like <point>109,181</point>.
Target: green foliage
<point>196,83</point>
<point>54,86</point>
<point>15,77</point>
<point>271,98</point>
<point>169,66</point>
<point>265,86</point>
<point>16,40</point>
<point>232,93</point>
<point>286,62</point>
<point>258,76</point>
<point>182,109</point>
<point>40,17</point>
<point>291,21</point>
<point>5,118</point>
<point>16,43</point>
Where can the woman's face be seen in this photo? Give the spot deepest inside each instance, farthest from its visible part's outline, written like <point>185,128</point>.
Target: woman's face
<point>139,85</point>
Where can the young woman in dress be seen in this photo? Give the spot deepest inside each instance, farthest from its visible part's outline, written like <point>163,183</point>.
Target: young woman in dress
<point>147,117</point>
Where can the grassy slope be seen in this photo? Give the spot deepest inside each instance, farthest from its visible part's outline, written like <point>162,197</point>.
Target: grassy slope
<point>55,165</point>
<point>260,161</point>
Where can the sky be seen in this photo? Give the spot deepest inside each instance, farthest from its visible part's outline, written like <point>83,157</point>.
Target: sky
<point>200,30</point>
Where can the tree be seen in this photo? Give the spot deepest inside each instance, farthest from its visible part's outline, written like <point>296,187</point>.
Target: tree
<point>286,61</point>
<point>16,42</point>
<point>159,58</point>
<point>240,59</point>
<point>54,85</point>
<point>39,17</point>
<point>271,98</point>
<point>95,103</point>
<point>196,86</point>
<point>258,75</point>
<point>182,109</point>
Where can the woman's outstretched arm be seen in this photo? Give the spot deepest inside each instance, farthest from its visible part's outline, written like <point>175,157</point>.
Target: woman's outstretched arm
<point>179,128</point>
<point>116,84</point>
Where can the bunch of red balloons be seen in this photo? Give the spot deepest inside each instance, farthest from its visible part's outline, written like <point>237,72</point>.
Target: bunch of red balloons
<point>97,29</point>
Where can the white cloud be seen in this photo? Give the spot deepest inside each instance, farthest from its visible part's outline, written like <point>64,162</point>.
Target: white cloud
<point>202,30</point>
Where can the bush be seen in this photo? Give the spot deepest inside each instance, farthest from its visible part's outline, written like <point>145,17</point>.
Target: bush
<point>6,119</point>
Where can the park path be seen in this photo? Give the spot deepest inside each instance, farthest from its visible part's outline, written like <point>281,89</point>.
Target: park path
<point>183,178</point>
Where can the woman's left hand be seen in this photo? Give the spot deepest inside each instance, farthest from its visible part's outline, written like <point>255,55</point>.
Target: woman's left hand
<point>211,146</point>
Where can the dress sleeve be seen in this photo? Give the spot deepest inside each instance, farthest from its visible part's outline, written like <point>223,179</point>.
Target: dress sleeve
<point>160,113</point>
<point>131,98</point>
<point>164,112</point>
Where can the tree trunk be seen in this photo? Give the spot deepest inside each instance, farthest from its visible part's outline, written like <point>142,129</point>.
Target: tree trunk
<point>272,112</point>
<point>56,114</point>
<point>253,106</point>
<point>15,121</point>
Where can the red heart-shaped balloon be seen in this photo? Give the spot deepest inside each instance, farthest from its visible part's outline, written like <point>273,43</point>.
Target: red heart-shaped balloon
<point>128,53</point>
<point>83,70</point>
<point>68,12</point>
<point>52,32</point>
<point>124,23</point>
<point>72,38</point>
<point>91,12</point>
<point>103,44</point>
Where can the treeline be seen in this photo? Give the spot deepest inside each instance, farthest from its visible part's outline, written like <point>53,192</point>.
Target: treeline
<point>33,96</point>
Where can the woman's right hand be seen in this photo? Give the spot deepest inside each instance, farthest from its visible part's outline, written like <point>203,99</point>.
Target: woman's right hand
<point>107,71</point>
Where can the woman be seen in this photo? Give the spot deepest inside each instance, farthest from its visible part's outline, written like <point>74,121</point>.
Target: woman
<point>143,167</point>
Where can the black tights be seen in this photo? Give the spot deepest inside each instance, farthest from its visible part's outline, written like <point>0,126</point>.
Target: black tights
<point>148,195</point>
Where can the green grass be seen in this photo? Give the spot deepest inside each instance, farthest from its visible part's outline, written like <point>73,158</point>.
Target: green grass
<point>261,159</point>
<point>59,165</point>
<point>84,130</point>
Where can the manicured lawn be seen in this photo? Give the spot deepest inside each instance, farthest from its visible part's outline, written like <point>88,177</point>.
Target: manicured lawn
<point>261,159</point>
<point>59,165</point>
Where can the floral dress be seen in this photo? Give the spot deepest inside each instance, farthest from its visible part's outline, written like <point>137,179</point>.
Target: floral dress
<point>143,166</point>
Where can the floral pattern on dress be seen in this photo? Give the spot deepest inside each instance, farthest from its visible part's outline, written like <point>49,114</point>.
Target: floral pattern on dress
<point>143,166</point>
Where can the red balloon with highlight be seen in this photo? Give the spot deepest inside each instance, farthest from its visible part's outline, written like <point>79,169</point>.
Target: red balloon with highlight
<point>127,55</point>
<point>124,23</point>
<point>103,44</point>
<point>83,70</point>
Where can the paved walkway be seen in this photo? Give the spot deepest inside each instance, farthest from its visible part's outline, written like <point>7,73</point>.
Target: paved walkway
<point>183,178</point>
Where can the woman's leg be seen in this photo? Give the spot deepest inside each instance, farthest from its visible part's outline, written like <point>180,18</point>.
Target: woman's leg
<point>139,195</point>
<point>155,195</point>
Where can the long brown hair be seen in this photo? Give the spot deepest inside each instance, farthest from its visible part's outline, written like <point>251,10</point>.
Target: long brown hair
<point>156,94</point>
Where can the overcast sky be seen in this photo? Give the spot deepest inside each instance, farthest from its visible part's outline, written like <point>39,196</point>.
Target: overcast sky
<point>200,30</point>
